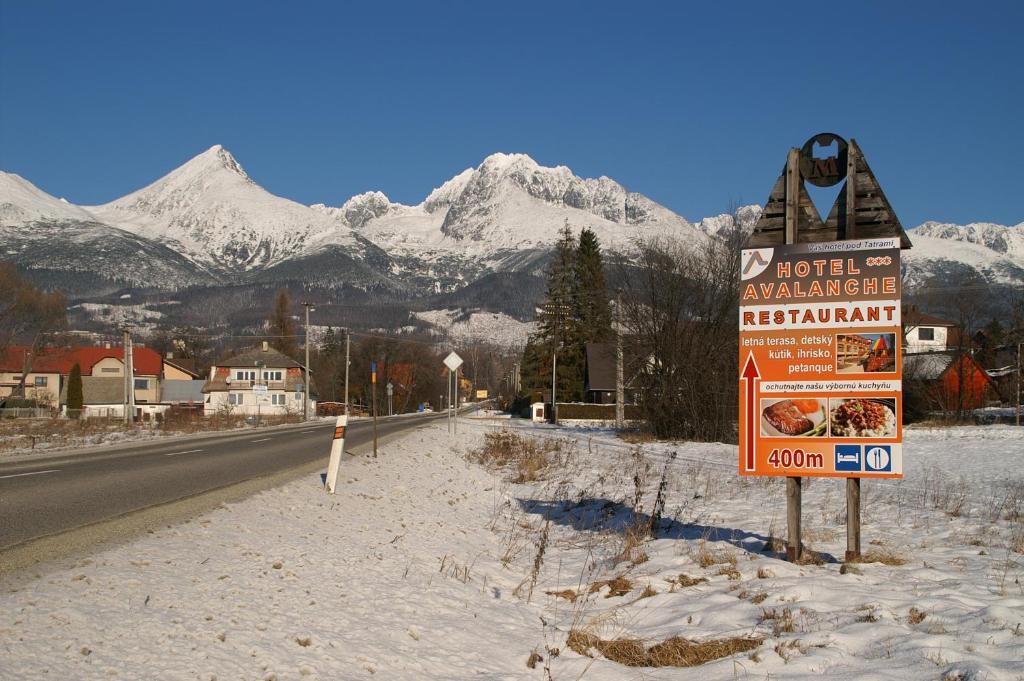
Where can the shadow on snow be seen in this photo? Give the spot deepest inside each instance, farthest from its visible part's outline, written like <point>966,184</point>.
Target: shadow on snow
<point>605,515</point>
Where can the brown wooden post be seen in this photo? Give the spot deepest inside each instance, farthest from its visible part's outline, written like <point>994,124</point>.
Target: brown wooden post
<point>852,518</point>
<point>852,484</point>
<point>794,503</point>
<point>792,195</point>
<point>794,506</point>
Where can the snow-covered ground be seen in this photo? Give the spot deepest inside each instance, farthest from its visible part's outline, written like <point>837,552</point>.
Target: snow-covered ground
<point>427,565</point>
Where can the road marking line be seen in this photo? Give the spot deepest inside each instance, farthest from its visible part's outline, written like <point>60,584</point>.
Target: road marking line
<point>187,451</point>
<point>18,475</point>
<point>263,440</point>
<point>308,431</point>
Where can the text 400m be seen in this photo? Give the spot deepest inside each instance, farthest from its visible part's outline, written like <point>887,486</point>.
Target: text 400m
<point>795,458</point>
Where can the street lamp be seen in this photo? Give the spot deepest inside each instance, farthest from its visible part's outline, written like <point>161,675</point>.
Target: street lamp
<point>305,391</point>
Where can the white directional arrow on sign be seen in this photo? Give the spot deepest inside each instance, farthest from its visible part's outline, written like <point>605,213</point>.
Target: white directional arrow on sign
<point>453,361</point>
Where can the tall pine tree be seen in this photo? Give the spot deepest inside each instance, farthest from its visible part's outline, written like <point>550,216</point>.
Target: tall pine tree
<point>282,325</point>
<point>593,311</point>
<point>558,331</point>
<point>75,398</point>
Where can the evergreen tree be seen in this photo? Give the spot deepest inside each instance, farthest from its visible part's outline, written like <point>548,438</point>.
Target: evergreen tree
<point>75,398</point>
<point>282,325</point>
<point>558,328</point>
<point>592,308</point>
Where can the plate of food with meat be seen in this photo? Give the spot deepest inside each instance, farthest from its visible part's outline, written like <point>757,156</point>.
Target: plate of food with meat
<point>794,417</point>
<point>862,417</point>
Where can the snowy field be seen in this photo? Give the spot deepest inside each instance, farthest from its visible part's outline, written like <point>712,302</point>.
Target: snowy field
<point>433,563</point>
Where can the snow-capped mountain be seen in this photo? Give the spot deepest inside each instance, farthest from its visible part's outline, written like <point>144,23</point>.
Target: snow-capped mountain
<point>996,252</point>
<point>502,215</point>
<point>66,246</point>
<point>212,212</point>
<point>207,222</point>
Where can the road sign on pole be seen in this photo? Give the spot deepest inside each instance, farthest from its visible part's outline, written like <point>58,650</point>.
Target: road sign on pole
<point>453,361</point>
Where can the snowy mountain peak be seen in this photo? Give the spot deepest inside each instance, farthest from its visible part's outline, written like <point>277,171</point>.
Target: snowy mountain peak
<point>213,160</point>
<point>212,211</point>
<point>23,202</point>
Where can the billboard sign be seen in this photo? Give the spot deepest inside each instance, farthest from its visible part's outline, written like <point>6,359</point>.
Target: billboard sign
<point>820,366</point>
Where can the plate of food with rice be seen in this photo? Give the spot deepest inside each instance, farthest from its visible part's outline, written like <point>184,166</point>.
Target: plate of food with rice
<point>862,417</point>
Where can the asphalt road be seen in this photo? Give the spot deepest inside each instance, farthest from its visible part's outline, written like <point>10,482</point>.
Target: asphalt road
<point>53,494</point>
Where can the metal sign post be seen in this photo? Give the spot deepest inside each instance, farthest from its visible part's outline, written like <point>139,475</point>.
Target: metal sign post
<point>391,391</point>
<point>337,447</point>
<point>820,362</point>
<point>453,362</point>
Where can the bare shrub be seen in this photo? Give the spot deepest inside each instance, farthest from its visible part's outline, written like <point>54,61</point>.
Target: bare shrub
<point>916,616</point>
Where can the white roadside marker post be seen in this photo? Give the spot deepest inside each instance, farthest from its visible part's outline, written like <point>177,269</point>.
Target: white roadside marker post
<point>337,447</point>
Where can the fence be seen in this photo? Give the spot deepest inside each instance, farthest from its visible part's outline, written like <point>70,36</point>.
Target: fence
<point>27,413</point>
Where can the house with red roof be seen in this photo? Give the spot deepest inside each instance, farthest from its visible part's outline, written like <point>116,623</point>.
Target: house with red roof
<point>44,373</point>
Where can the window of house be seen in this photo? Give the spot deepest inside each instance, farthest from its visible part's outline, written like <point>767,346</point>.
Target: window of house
<point>142,384</point>
<point>109,370</point>
<point>926,333</point>
<point>236,398</point>
<point>272,375</point>
<point>243,375</point>
<point>278,400</point>
<point>41,381</point>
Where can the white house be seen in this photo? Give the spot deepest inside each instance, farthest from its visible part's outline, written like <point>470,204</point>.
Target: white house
<point>926,333</point>
<point>258,381</point>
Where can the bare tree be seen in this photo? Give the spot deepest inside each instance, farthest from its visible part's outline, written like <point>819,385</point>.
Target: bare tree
<point>680,307</point>
<point>27,315</point>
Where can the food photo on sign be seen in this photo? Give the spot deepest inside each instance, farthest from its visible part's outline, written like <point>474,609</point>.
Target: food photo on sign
<point>802,417</point>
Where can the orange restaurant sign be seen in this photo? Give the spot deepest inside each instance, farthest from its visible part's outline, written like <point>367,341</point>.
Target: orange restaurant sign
<point>820,371</point>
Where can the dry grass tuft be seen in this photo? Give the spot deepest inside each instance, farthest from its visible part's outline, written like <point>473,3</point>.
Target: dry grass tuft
<point>633,546</point>
<point>704,556</point>
<point>685,580</point>
<point>809,557</point>
<point>673,652</point>
<point>916,616</point>
<point>731,572</point>
<point>619,586</point>
<point>527,459</point>
<point>882,555</point>
<point>783,621</point>
<point>534,658</point>
<point>648,592</point>
<point>764,573</point>
<point>567,594</point>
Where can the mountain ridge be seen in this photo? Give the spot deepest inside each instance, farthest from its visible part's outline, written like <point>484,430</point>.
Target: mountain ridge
<point>207,221</point>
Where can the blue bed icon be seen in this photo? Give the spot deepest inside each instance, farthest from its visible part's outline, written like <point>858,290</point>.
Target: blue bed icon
<point>848,458</point>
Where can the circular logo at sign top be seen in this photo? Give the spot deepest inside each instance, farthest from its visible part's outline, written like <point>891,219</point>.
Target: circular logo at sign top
<point>823,172</point>
<point>877,458</point>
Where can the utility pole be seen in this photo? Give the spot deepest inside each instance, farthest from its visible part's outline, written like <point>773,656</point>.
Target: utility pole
<point>373,398</point>
<point>620,391</point>
<point>129,377</point>
<point>1018,383</point>
<point>348,339</point>
<point>305,389</point>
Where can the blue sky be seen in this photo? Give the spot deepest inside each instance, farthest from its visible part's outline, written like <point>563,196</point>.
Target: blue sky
<point>693,104</point>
